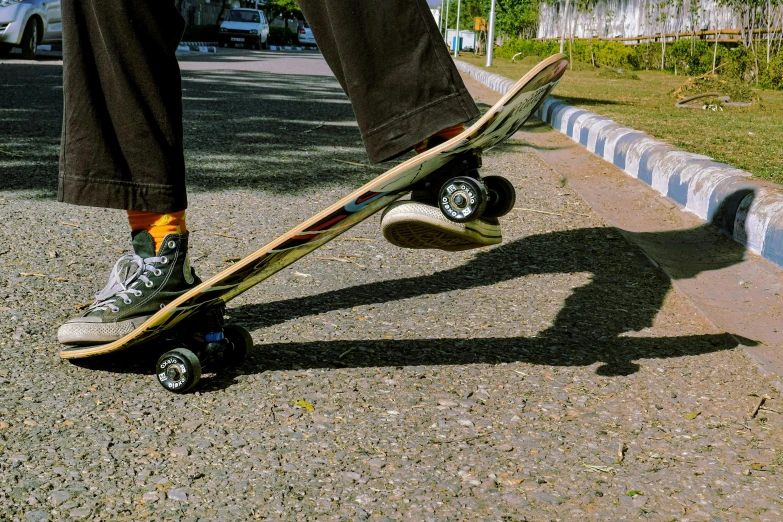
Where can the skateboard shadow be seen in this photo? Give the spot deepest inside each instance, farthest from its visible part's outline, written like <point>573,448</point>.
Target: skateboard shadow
<point>602,322</point>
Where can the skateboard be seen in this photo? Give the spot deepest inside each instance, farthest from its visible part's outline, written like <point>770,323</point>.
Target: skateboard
<point>191,327</point>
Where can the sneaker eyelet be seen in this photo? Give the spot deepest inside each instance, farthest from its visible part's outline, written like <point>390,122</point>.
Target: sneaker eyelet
<point>138,293</point>
<point>158,272</point>
<point>149,284</point>
<point>162,306</point>
<point>171,244</point>
<point>164,260</point>
<point>127,301</point>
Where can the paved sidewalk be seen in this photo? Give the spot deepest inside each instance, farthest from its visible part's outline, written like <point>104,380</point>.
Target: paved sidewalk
<point>557,376</point>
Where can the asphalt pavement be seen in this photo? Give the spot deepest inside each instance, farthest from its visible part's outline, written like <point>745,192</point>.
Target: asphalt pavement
<point>555,377</point>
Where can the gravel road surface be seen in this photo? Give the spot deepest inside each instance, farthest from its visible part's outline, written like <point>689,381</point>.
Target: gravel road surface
<point>556,377</point>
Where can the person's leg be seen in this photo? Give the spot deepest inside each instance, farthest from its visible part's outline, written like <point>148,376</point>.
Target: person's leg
<point>122,122</point>
<point>391,60</point>
<point>122,148</point>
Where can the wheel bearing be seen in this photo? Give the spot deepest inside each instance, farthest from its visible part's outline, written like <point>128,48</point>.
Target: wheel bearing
<point>462,199</point>
<point>178,370</point>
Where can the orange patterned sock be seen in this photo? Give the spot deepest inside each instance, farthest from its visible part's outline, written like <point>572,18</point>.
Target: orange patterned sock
<point>158,225</point>
<point>444,135</point>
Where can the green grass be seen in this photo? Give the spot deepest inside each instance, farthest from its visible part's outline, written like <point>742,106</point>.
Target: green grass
<point>748,138</point>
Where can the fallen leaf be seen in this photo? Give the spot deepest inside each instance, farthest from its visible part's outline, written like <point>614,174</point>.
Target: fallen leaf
<point>304,404</point>
<point>634,493</point>
<point>692,415</point>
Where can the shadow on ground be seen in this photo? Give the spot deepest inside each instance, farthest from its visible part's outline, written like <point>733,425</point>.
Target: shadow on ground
<point>577,101</point>
<point>598,322</point>
<point>243,129</point>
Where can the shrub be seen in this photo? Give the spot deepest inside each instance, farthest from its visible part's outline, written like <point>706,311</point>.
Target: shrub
<point>615,55</point>
<point>200,33</point>
<point>738,91</point>
<point>736,62</point>
<point>771,75</point>
<point>619,74</point>
<point>280,36</point>
<point>680,58</point>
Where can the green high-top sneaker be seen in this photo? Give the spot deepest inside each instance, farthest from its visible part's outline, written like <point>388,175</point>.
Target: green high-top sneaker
<point>140,284</point>
<point>419,223</point>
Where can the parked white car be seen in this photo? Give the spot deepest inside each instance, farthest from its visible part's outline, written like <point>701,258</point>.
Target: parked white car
<point>243,27</point>
<point>305,34</point>
<point>28,23</point>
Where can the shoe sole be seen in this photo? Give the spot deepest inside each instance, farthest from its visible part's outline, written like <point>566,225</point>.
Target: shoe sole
<point>415,225</point>
<point>77,332</point>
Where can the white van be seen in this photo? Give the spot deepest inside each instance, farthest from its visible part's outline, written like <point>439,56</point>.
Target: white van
<point>244,27</point>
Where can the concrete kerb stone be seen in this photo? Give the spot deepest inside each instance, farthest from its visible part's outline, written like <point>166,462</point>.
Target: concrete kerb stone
<point>290,48</point>
<point>211,47</point>
<point>749,210</point>
<point>197,48</point>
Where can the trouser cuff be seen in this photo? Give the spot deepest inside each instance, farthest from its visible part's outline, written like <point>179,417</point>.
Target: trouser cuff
<point>401,134</point>
<point>121,195</point>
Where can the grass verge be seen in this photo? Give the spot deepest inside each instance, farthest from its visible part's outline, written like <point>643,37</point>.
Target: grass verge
<point>748,138</point>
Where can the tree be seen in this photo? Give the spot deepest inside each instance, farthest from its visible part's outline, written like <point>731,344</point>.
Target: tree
<point>285,8</point>
<point>517,18</point>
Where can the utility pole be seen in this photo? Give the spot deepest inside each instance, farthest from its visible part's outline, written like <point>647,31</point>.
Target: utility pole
<point>446,29</point>
<point>491,34</point>
<point>456,38</point>
<point>440,25</point>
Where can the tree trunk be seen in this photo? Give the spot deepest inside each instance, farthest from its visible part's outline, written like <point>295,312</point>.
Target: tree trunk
<point>663,43</point>
<point>564,26</point>
<point>571,41</point>
<point>753,46</point>
<point>769,29</point>
<point>715,50</point>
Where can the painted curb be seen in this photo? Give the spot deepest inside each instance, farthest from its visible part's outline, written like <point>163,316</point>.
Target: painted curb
<point>749,210</point>
<point>291,48</point>
<point>211,47</point>
<point>197,48</point>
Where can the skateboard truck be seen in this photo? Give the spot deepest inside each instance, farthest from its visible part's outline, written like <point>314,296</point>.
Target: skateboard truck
<point>463,195</point>
<point>179,370</point>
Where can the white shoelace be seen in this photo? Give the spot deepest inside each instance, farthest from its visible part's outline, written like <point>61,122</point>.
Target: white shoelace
<point>128,272</point>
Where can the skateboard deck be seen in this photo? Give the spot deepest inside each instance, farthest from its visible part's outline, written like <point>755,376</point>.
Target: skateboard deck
<point>495,126</point>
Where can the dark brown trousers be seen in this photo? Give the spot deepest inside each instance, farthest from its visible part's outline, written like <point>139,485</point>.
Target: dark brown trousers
<point>122,124</point>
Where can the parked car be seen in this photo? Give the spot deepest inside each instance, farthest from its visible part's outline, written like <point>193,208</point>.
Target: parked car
<point>305,35</point>
<point>243,27</point>
<point>28,23</point>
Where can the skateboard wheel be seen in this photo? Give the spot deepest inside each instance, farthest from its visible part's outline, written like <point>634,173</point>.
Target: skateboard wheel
<point>462,199</point>
<point>240,341</point>
<point>502,196</point>
<point>178,370</point>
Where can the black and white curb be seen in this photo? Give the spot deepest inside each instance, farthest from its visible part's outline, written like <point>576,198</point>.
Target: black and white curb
<point>749,210</point>
<point>211,47</point>
<point>57,48</point>
<point>198,47</point>
<point>291,48</point>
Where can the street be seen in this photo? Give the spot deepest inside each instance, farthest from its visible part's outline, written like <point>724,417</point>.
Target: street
<point>555,377</point>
